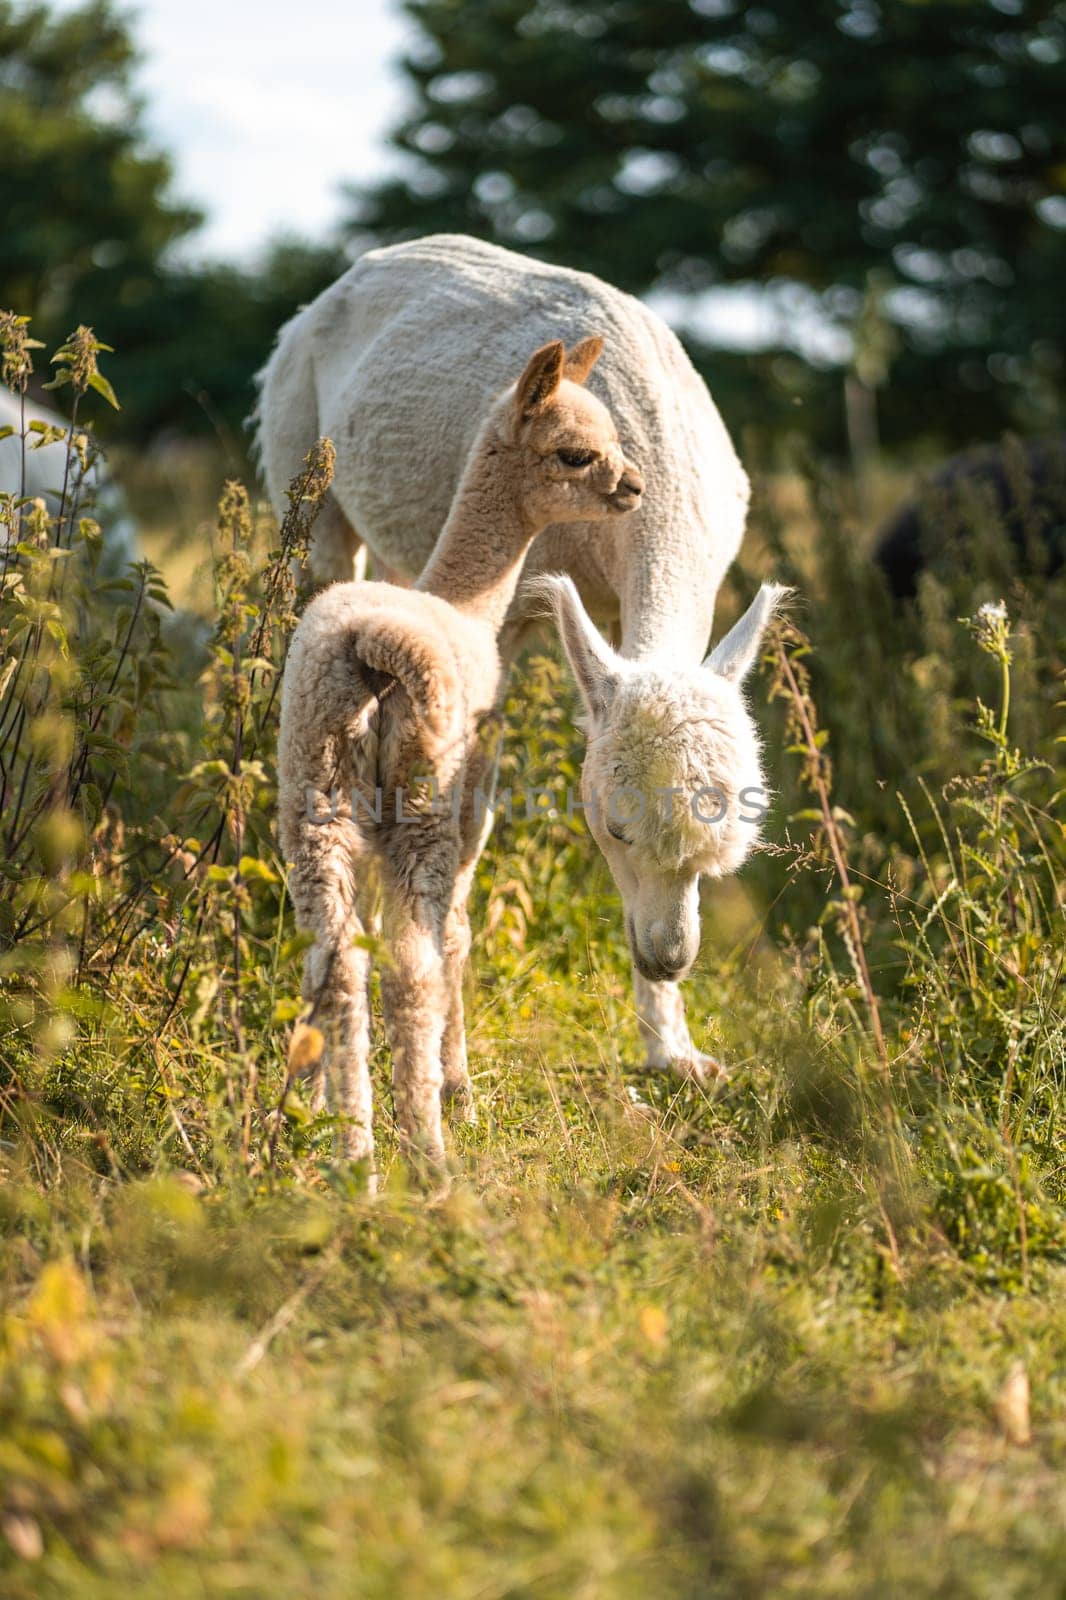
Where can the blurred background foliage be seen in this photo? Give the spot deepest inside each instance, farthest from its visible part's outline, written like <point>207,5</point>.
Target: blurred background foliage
<point>90,229</point>
<point>881,187</point>
<point>889,174</point>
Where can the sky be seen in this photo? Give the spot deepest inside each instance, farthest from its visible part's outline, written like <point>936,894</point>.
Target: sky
<point>267,106</point>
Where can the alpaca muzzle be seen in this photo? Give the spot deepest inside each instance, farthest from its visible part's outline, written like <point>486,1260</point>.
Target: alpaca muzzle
<point>627,495</point>
<point>659,954</point>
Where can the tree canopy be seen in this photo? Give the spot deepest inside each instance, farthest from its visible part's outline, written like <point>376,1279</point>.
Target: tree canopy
<point>903,165</point>
<point>90,226</point>
<point>86,206</point>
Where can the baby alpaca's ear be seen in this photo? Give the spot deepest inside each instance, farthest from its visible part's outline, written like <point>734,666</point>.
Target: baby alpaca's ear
<point>582,358</point>
<point>543,374</point>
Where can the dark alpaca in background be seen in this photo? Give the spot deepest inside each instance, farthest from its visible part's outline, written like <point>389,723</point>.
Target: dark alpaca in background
<point>1008,498</point>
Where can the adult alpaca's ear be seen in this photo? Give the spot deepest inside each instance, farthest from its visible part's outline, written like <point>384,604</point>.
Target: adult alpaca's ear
<point>734,656</point>
<point>594,664</point>
<point>543,375</point>
<point>582,358</point>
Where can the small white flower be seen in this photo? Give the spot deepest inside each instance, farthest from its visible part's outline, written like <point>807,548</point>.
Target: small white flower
<point>992,611</point>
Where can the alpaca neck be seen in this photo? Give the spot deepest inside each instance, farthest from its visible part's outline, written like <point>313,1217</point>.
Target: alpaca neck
<point>478,556</point>
<point>667,595</point>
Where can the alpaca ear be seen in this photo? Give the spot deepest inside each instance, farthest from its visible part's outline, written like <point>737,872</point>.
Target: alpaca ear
<point>582,358</point>
<point>734,656</point>
<point>543,374</point>
<point>592,661</point>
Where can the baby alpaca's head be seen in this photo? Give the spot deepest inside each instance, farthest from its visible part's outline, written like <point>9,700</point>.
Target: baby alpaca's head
<point>571,464</point>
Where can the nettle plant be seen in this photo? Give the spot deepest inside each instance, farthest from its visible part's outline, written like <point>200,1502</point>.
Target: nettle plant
<point>233,957</point>
<point>951,1046</point>
<point>986,961</point>
<point>140,894</point>
<point>82,671</point>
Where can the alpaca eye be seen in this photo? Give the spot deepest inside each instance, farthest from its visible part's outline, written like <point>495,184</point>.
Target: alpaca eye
<point>576,458</point>
<point>616,833</point>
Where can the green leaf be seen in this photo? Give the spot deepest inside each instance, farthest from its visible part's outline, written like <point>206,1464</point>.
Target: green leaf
<point>57,632</point>
<point>252,867</point>
<point>47,433</point>
<point>92,805</point>
<point>98,382</point>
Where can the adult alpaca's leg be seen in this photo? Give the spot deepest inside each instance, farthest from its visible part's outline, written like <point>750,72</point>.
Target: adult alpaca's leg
<point>337,553</point>
<point>664,1030</point>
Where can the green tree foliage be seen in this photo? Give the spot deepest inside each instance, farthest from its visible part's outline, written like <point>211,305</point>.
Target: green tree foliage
<point>194,352</point>
<point>90,226</point>
<point>907,157</point>
<point>87,216</point>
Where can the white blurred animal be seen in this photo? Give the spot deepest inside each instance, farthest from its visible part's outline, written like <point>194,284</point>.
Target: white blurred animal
<point>42,478</point>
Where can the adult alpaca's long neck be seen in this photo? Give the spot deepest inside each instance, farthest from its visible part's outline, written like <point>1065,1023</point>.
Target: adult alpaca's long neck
<point>477,559</point>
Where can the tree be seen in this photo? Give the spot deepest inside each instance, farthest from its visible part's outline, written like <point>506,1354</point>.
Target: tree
<point>87,218</point>
<point>189,357</point>
<point>842,155</point>
<point>89,229</point>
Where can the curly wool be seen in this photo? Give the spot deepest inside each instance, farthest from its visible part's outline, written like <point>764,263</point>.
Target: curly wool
<point>687,746</point>
<point>385,688</point>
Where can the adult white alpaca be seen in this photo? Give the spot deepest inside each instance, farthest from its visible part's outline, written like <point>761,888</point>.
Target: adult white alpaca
<point>672,781</point>
<point>380,362</point>
<point>386,688</point>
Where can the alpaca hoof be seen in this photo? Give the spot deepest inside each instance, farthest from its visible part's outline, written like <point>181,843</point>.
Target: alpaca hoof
<point>697,1068</point>
<point>436,1185</point>
<point>458,1104</point>
<point>705,1069</point>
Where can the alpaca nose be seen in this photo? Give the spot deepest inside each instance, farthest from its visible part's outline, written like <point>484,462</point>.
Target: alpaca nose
<point>628,490</point>
<point>663,953</point>
<point>669,946</point>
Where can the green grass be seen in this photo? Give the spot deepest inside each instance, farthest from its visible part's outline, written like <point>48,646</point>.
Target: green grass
<point>774,1340</point>
<point>631,1353</point>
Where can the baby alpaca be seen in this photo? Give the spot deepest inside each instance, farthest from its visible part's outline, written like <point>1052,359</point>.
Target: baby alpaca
<point>384,695</point>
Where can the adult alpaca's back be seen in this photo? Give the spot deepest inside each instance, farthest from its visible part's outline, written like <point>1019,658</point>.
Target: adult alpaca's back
<point>380,362</point>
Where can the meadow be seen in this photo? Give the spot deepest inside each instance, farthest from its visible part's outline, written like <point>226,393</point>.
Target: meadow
<point>801,1333</point>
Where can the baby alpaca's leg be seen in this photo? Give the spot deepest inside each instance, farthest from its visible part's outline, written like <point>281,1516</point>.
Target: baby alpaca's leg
<point>475,825</point>
<point>420,870</point>
<point>342,1011</point>
<point>457,1093</point>
<point>335,977</point>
